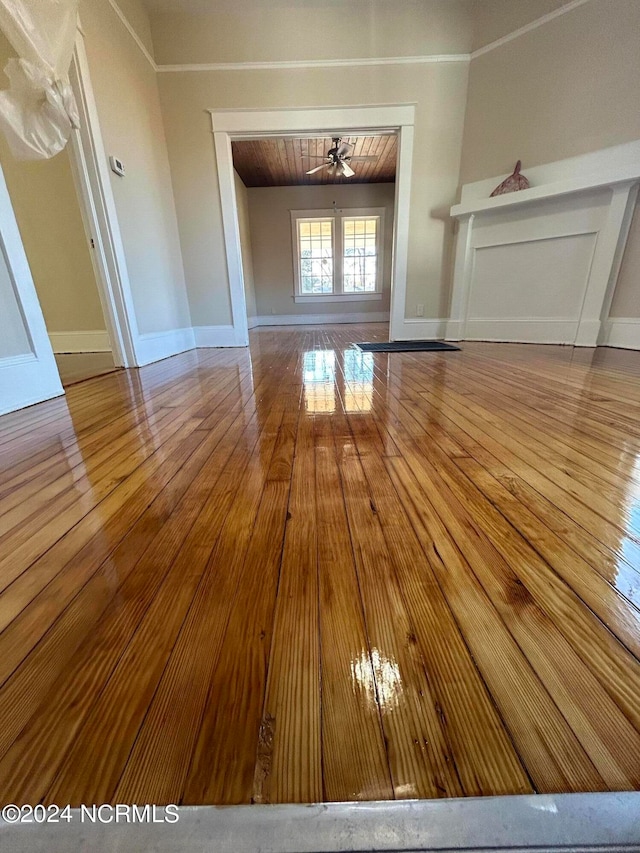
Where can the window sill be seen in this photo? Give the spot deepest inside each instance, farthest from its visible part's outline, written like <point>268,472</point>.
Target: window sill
<point>339,297</point>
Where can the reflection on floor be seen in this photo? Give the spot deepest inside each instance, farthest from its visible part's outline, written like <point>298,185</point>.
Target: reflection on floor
<point>77,366</point>
<point>301,572</point>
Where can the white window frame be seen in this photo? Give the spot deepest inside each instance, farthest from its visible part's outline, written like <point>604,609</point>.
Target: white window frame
<point>337,216</point>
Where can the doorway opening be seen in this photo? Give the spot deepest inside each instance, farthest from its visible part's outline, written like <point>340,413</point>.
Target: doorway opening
<point>47,210</point>
<point>287,133</point>
<point>315,219</point>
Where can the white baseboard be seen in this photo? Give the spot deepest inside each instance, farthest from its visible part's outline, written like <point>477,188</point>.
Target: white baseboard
<point>91,341</point>
<point>421,329</point>
<point>319,319</point>
<point>623,332</point>
<point>530,331</point>
<point>617,332</point>
<point>217,336</point>
<point>158,345</point>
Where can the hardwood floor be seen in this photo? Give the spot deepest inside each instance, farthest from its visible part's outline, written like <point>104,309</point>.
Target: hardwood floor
<point>308,573</point>
<point>78,366</point>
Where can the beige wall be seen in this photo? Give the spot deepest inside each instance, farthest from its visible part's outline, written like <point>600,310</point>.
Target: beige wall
<point>260,30</point>
<point>242,201</point>
<point>46,207</point>
<point>438,91</point>
<point>126,94</point>
<point>48,214</point>
<point>563,89</point>
<point>493,19</point>
<point>269,209</point>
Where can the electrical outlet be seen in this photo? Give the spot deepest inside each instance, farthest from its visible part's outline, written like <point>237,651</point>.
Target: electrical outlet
<point>419,310</point>
<point>273,310</point>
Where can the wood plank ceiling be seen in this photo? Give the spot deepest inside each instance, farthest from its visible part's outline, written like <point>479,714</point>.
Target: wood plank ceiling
<point>276,162</point>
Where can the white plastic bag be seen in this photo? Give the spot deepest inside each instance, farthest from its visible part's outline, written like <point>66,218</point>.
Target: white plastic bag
<point>38,110</point>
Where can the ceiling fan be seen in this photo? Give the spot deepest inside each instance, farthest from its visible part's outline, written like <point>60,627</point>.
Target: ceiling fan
<point>338,159</point>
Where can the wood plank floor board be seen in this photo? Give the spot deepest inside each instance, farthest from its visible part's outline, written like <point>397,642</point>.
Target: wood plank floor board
<point>619,567</point>
<point>561,447</point>
<point>160,758</point>
<point>473,727</point>
<point>614,667</point>
<point>417,738</point>
<point>594,717</point>
<point>34,538</point>
<point>78,465</point>
<point>354,759</point>
<point>611,532</point>
<point>549,749</point>
<point>304,572</point>
<point>612,454</point>
<point>223,762</point>
<point>576,479</point>
<point>288,761</point>
<point>72,625</point>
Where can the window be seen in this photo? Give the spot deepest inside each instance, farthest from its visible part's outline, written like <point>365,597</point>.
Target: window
<point>315,255</point>
<point>359,254</point>
<point>337,254</point>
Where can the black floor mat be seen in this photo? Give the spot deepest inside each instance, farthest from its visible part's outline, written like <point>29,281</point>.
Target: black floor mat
<point>408,346</point>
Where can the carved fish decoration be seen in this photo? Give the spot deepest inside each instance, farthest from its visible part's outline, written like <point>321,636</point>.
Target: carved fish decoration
<point>513,183</point>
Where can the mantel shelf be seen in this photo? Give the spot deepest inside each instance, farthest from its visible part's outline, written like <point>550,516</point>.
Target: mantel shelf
<point>615,177</point>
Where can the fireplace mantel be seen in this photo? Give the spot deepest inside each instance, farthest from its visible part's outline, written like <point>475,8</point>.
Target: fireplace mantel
<point>540,265</point>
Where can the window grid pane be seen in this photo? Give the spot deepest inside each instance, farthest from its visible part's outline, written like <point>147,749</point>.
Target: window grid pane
<point>360,254</point>
<point>315,252</point>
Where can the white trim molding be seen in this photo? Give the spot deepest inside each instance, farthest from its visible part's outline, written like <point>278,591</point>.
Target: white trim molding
<point>320,319</point>
<point>421,329</point>
<point>543,330</point>
<point>347,62</point>
<point>622,332</point>
<point>99,214</point>
<point>553,250</point>
<point>336,218</point>
<point>527,28</point>
<point>155,346</point>
<point>96,340</point>
<point>238,124</point>
<point>134,35</point>
<point>270,65</point>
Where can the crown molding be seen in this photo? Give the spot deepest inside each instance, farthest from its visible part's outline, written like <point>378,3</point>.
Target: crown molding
<point>340,63</point>
<point>315,63</point>
<point>134,35</point>
<point>533,25</point>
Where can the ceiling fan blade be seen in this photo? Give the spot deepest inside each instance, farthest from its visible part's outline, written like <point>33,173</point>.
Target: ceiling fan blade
<point>344,149</point>
<point>313,157</point>
<point>317,168</point>
<point>347,171</point>
<point>363,159</point>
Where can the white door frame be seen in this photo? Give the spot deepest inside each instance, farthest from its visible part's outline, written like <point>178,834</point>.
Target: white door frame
<point>97,205</point>
<point>242,124</point>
